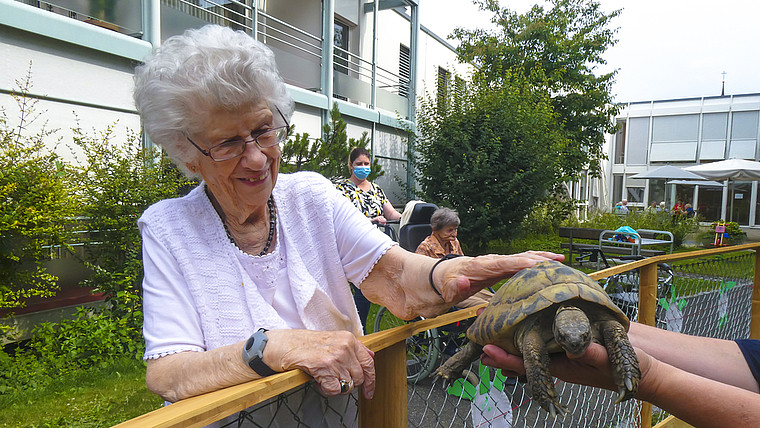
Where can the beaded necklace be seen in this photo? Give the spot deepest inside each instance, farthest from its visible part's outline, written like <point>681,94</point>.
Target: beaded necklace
<point>272,221</point>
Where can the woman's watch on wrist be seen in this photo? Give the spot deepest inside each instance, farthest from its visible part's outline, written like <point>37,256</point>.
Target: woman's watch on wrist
<point>253,353</point>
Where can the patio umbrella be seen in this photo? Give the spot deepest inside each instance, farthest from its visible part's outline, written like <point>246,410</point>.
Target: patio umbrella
<point>709,183</point>
<point>668,172</point>
<point>729,169</point>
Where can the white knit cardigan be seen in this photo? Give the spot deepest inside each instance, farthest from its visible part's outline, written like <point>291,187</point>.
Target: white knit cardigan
<point>327,243</point>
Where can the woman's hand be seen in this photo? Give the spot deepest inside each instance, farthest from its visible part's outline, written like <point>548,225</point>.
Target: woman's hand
<point>379,220</point>
<point>460,278</point>
<point>328,356</point>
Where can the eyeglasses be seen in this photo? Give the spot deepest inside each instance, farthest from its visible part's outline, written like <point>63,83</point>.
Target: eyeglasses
<point>231,149</point>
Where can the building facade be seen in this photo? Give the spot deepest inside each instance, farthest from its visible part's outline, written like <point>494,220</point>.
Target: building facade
<point>682,133</point>
<point>371,58</point>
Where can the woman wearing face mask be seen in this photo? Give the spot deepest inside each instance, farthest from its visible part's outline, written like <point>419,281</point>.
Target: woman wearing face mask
<point>365,195</point>
<point>371,201</point>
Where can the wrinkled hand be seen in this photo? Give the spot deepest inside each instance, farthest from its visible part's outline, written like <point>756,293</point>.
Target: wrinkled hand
<point>460,278</point>
<point>327,356</point>
<point>591,368</point>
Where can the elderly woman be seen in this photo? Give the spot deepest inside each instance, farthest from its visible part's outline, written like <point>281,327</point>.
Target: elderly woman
<point>443,242</point>
<point>248,274</point>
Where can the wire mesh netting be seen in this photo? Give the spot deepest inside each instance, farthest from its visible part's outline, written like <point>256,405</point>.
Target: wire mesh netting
<point>707,297</point>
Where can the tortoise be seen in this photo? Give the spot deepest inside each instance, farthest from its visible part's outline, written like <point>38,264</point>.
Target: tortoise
<point>546,309</point>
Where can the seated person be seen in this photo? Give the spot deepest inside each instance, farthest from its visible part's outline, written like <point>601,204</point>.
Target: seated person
<point>443,241</point>
<point>689,211</point>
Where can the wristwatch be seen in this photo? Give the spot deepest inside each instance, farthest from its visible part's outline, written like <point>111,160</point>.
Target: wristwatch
<point>253,353</point>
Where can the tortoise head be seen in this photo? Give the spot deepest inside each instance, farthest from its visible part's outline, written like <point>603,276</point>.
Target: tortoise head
<point>572,329</point>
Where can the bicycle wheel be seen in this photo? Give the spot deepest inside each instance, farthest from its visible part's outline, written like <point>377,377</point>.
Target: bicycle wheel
<point>422,349</point>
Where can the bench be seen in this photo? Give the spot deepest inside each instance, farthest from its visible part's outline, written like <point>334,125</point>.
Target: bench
<point>602,246</point>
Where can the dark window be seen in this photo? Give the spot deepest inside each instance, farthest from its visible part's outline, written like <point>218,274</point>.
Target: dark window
<point>620,143</point>
<point>341,48</point>
<point>443,87</point>
<point>404,71</point>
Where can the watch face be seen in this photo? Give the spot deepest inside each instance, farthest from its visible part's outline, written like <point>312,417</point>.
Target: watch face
<point>249,343</point>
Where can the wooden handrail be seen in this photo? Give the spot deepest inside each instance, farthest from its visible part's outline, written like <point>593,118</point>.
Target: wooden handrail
<point>205,409</point>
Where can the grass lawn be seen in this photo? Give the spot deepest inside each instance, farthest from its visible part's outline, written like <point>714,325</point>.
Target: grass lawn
<point>100,397</point>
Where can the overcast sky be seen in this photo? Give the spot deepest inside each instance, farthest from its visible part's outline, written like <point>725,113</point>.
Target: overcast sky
<point>666,49</point>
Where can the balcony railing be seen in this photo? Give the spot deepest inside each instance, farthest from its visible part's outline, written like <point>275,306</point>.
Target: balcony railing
<point>121,16</point>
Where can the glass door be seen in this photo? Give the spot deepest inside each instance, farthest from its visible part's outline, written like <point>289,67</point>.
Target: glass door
<point>739,194</point>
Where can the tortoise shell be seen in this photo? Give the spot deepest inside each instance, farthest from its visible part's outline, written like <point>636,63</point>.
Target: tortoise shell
<point>532,290</point>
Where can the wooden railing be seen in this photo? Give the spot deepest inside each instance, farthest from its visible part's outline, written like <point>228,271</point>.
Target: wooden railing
<point>388,408</point>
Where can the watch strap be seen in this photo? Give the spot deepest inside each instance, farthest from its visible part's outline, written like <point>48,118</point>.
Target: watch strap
<point>253,353</point>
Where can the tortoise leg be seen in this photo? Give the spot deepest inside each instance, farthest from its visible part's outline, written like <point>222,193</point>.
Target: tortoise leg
<point>625,364</point>
<point>454,367</point>
<point>540,381</point>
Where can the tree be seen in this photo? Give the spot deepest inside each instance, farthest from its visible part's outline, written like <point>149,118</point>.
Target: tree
<point>490,154</point>
<point>327,155</point>
<point>558,50</point>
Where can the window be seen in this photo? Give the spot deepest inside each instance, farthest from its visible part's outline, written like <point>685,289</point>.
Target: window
<point>620,144</point>
<point>743,135</point>
<point>638,141</point>
<point>634,189</point>
<point>617,188</point>
<point>443,86</point>
<point>404,71</point>
<point>340,41</point>
<point>714,126</point>
<point>674,138</point>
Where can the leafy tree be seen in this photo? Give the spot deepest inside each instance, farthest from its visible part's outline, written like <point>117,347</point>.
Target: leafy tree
<point>490,154</point>
<point>36,205</point>
<point>327,155</point>
<point>558,50</point>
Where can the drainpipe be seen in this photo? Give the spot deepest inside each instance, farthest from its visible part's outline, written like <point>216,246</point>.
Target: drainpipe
<point>328,34</point>
<point>151,22</point>
<point>412,95</point>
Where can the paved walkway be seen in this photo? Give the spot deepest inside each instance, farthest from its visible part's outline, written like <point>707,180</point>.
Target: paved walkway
<point>753,234</point>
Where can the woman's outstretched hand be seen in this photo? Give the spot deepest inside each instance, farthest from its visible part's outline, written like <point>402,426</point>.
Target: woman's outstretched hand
<point>462,277</point>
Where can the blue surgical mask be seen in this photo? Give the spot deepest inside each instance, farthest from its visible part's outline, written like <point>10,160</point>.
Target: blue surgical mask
<point>361,172</point>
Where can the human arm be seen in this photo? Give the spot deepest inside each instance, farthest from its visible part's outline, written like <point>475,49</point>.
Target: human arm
<point>180,366</point>
<point>719,360</point>
<point>390,213</point>
<point>698,400</point>
<point>400,280</point>
<point>328,357</point>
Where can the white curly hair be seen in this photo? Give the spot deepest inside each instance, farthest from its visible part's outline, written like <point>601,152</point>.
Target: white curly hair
<point>203,69</point>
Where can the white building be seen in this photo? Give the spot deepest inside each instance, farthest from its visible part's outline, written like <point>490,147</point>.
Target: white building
<point>682,132</point>
<point>372,58</point>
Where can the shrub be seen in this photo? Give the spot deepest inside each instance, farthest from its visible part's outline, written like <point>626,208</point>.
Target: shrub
<point>679,226</point>
<point>35,207</point>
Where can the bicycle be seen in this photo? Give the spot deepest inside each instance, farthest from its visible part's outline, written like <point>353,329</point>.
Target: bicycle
<point>623,289</point>
<point>425,350</point>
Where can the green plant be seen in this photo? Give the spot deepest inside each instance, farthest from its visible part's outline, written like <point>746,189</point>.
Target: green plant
<point>36,204</point>
<point>735,234</point>
<point>490,154</point>
<point>98,397</point>
<point>118,181</point>
<point>679,226</point>
<point>558,47</point>
<point>327,155</point>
